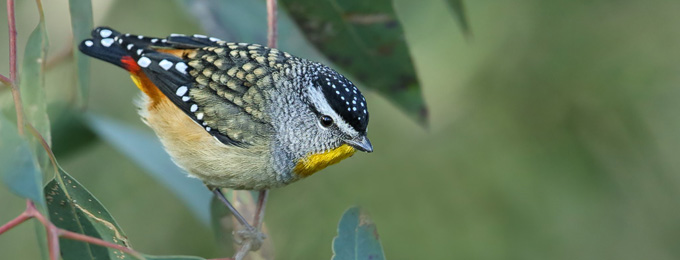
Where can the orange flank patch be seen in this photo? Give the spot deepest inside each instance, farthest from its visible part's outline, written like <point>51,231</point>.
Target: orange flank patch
<point>145,85</point>
<point>316,162</point>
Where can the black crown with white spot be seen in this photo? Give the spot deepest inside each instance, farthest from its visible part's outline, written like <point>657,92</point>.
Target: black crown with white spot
<point>344,98</point>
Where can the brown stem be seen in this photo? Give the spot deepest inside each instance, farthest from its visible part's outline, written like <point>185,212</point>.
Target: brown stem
<point>272,28</point>
<point>14,222</point>
<point>96,241</point>
<point>5,80</point>
<point>16,94</point>
<point>11,22</point>
<point>53,233</point>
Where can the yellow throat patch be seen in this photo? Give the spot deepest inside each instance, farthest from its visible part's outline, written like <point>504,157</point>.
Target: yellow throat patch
<point>316,162</point>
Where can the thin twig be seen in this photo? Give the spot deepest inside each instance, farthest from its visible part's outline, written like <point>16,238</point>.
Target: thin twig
<point>54,233</point>
<point>5,80</point>
<point>16,94</point>
<point>11,22</point>
<point>95,241</point>
<point>272,28</point>
<point>14,222</point>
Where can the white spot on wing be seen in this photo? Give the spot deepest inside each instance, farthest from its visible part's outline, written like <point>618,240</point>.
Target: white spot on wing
<point>185,98</point>
<point>107,42</point>
<point>139,51</point>
<point>181,67</point>
<point>181,91</point>
<point>105,33</point>
<point>89,43</point>
<point>154,40</point>
<point>140,37</point>
<point>200,36</point>
<point>129,46</point>
<point>199,116</point>
<point>165,64</point>
<point>144,62</point>
<point>193,108</point>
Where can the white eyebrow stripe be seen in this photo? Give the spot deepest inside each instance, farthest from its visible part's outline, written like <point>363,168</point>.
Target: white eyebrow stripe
<point>319,101</point>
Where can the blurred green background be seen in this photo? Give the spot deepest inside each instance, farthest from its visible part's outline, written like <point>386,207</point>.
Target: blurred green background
<point>554,135</point>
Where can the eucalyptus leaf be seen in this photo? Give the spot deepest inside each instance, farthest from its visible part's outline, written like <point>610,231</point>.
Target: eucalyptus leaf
<point>19,169</point>
<point>81,24</point>
<point>357,237</point>
<point>365,40</point>
<point>362,39</point>
<point>32,85</point>
<point>72,207</point>
<point>147,151</point>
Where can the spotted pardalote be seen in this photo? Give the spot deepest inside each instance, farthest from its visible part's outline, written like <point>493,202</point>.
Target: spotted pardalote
<point>239,115</point>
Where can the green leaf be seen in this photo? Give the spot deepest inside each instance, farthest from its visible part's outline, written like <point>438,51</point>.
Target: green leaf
<point>147,151</point>
<point>357,237</point>
<point>72,207</point>
<point>19,170</point>
<point>362,38</point>
<point>458,12</point>
<point>149,257</point>
<point>32,85</point>
<point>81,23</point>
<point>365,40</point>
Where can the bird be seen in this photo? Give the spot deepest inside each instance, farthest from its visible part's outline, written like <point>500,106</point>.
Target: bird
<point>238,115</point>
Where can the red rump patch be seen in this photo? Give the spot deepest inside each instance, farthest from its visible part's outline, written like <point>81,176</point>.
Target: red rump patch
<point>129,64</point>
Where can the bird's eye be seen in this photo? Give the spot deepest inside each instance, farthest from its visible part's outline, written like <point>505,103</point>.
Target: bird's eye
<point>326,121</point>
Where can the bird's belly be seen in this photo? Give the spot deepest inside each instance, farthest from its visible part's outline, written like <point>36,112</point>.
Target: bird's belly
<point>206,158</point>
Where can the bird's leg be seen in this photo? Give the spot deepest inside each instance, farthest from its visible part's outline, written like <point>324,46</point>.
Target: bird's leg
<point>250,237</point>
<point>259,212</point>
<point>241,219</point>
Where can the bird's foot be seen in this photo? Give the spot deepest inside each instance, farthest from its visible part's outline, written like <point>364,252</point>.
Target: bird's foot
<point>250,235</point>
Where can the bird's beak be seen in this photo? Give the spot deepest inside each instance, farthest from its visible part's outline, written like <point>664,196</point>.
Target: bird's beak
<point>362,144</point>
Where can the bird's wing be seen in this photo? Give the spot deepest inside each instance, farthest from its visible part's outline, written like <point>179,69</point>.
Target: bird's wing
<point>219,85</point>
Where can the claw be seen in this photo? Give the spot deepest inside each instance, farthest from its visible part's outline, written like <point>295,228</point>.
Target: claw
<point>250,235</point>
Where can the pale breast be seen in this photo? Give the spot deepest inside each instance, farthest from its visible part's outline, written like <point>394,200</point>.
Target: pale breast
<point>206,158</point>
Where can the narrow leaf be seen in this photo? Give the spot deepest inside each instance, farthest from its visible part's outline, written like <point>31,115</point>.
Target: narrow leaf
<point>458,12</point>
<point>81,24</point>
<point>72,207</point>
<point>147,151</point>
<point>32,85</point>
<point>365,40</point>
<point>357,237</point>
<point>19,169</point>
<point>362,38</point>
